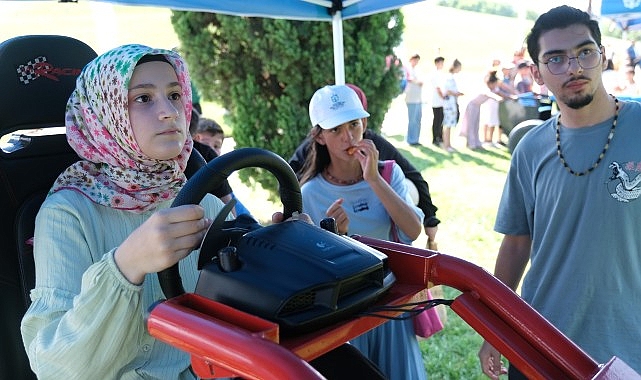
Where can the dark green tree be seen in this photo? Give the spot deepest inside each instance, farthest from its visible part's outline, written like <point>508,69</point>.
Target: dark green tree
<point>264,71</point>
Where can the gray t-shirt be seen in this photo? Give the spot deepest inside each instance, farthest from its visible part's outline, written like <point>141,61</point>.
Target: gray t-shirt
<point>585,267</point>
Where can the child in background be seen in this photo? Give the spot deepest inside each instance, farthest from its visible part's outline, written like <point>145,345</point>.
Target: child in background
<point>224,191</point>
<point>210,133</point>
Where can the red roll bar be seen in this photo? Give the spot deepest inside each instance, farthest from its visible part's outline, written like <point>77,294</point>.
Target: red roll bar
<point>226,342</point>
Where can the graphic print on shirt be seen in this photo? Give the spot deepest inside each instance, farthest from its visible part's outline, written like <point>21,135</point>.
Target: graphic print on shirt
<point>360,205</point>
<point>625,189</point>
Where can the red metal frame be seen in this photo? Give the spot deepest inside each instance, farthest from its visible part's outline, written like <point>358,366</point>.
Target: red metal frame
<point>224,341</point>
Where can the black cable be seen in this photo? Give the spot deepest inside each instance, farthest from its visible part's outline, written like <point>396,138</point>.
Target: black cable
<point>410,309</point>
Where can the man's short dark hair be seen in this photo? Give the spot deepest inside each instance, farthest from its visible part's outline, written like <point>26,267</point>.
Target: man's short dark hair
<point>559,18</point>
<point>439,59</point>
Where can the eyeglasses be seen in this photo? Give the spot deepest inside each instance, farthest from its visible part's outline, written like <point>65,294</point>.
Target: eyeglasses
<point>588,58</point>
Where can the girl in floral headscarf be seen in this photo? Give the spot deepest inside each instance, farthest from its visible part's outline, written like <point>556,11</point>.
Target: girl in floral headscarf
<point>106,227</point>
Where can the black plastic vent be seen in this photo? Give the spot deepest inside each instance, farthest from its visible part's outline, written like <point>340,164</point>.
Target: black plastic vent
<point>299,303</point>
<point>260,243</point>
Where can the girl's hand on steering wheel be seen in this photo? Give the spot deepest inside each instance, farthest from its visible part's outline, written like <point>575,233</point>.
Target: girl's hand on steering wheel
<point>161,241</point>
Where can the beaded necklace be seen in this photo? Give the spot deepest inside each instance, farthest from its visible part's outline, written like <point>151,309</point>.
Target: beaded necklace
<point>605,148</point>
<point>341,181</point>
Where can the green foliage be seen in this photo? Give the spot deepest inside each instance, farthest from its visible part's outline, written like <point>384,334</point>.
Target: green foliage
<point>264,71</point>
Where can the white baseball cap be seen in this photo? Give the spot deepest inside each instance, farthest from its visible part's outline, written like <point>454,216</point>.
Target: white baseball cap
<point>334,105</point>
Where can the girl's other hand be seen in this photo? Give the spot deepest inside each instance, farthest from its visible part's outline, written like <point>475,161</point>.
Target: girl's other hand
<point>339,214</point>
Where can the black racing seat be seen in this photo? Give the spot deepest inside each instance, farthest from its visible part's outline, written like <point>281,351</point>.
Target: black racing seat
<point>37,75</point>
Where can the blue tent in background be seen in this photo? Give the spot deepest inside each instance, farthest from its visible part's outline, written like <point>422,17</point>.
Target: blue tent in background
<point>625,13</point>
<point>306,10</point>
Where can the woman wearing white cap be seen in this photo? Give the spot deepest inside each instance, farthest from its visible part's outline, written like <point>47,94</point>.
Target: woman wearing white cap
<point>341,178</point>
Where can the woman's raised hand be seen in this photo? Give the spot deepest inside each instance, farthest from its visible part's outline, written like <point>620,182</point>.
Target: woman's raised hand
<point>367,155</point>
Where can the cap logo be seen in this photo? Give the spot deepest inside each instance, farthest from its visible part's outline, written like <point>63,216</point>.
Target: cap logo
<point>336,102</point>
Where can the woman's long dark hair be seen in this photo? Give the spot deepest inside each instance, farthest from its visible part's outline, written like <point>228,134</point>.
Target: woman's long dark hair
<point>317,158</point>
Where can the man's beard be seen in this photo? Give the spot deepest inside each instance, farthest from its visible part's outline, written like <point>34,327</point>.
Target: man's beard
<point>579,102</point>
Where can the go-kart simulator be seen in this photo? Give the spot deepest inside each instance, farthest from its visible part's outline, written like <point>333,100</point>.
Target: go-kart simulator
<point>226,341</point>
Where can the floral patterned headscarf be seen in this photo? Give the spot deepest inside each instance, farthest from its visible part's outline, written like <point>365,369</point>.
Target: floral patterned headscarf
<point>114,171</point>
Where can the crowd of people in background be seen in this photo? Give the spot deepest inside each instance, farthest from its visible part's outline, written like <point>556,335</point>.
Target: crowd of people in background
<point>620,72</point>
<point>508,78</point>
<point>618,77</point>
<point>479,118</point>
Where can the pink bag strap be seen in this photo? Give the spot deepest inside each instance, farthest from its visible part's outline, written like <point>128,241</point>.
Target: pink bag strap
<point>386,173</point>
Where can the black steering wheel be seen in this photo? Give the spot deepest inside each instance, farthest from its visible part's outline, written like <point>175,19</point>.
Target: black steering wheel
<point>213,174</point>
